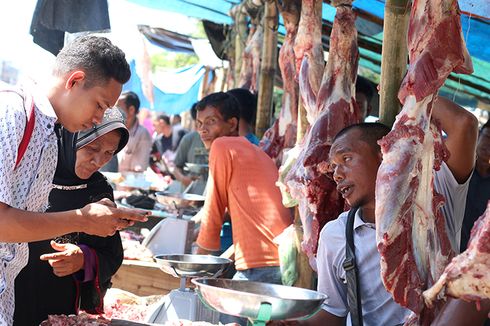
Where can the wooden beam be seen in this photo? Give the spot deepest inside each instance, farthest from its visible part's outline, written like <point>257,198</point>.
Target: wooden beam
<point>394,58</point>
<point>267,68</point>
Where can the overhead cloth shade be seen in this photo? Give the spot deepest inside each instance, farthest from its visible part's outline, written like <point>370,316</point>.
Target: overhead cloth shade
<point>52,18</point>
<point>174,91</point>
<point>475,22</point>
<point>166,39</point>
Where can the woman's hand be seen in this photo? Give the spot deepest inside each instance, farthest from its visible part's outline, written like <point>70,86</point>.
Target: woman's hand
<point>68,260</point>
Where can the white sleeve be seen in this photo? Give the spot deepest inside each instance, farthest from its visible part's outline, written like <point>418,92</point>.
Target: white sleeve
<point>12,125</point>
<point>454,207</point>
<point>331,277</point>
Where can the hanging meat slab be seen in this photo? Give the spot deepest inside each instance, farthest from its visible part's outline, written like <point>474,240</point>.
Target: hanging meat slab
<point>282,134</point>
<point>468,275</point>
<point>309,180</point>
<point>411,232</point>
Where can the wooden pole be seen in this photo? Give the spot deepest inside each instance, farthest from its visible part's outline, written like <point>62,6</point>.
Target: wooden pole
<point>267,68</point>
<point>394,58</point>
<point>240,17</point>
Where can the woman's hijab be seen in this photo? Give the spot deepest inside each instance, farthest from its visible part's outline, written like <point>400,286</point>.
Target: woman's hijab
<point>69,143</point>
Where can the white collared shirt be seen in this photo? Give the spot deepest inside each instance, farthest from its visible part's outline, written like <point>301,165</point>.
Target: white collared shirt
<point>27,187</point>
<point>378,307</point>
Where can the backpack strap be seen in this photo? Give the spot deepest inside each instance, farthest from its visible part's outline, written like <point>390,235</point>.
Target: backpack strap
<point>352,272</point>
<point>30,123</point>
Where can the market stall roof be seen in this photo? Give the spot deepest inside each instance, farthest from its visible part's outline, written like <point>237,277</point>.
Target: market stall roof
<point>475,22</point>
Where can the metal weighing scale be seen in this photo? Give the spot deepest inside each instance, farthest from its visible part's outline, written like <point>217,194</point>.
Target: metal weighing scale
<point>174,234</point>
<point>183,303</point>
<point>259,302</point>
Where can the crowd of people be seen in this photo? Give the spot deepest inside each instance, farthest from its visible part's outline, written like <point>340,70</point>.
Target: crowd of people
<point>59,240</point>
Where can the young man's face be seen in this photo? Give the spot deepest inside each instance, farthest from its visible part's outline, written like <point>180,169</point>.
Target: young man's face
<point>211,125</point>
<point>94,155</point>
<point>355,166</point>
<point>82,107</point>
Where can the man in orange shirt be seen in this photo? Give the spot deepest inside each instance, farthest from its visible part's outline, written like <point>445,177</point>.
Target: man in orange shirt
<point>241,180</point>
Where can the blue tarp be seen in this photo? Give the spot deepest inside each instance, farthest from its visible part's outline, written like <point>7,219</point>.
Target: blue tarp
<point>174,93</point>
<point>475,22</point>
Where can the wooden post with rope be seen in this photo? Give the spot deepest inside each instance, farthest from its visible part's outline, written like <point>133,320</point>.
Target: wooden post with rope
<point>394,58</point>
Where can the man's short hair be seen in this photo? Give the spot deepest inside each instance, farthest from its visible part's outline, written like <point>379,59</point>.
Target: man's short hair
<point>371,132</point>
<point>97,57</point>
<point>225,103</point>
<point>248,104</point>
<point>165,118</point>
<point>194,111</point>
<point>364,86</point>
<point>131,98</point>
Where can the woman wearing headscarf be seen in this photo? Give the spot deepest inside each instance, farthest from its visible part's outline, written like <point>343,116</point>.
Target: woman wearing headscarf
<point>74,271</point>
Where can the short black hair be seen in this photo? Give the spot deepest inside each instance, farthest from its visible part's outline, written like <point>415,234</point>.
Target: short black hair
<point>248,104</point>
<point>371,132</point>
<point>364,86</point>
<point>226,104</point>
<point>131,98</point>
<point>194,111</point>
<point>165,118</point>
<point>97,57</point>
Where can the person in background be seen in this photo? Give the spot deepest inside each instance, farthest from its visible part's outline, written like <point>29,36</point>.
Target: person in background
<point>162,141</point>
<point>74,270</point>
<point>145,118</point>
<point>178,131</point>
<point>251,198</point>
<point>355,157</point>
<point>191,150</point>
<point>86,80</point>
<point>364,96</point>
<point>135,157</point>
<point>479,190</point>
<point>248,112</point>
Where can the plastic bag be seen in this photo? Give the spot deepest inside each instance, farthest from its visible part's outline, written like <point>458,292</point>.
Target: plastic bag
<point>288,255</point>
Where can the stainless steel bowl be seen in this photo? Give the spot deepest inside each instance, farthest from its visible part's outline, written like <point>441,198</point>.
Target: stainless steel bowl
<point>192,265</point>
<point>195,168</point>
<point>179,200</point>
<point>244,298</point>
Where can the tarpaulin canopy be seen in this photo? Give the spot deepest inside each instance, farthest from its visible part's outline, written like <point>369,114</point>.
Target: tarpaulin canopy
<point>173,92</point>
<point>166,39</point>
<point>475,22</point>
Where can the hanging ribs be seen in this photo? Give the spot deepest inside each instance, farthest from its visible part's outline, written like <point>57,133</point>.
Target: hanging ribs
<point>282,134</point>
<point>468,274</point>
<point>309,180</point>
<point>411,233</point>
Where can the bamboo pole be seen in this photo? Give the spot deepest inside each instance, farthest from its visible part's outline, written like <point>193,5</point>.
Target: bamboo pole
<point>240,39</point>
<point>394,58</point>
<point>267,68</point>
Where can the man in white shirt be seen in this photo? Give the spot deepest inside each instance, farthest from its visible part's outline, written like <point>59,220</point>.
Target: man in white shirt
<point>87,79</point>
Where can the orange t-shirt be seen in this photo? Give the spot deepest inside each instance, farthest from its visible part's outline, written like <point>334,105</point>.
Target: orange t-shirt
<point>242,178</point>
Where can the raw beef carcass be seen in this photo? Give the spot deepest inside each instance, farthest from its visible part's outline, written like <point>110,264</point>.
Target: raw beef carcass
<point>309,180</point>
<point>468,275</point>
<point>282,134</point>
<point>249,73</point>
<point>411,231</point>
<point>308,46</point>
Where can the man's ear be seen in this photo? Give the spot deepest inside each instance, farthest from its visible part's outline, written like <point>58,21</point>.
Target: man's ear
<point>233,123</point>
<point>75,77</point>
